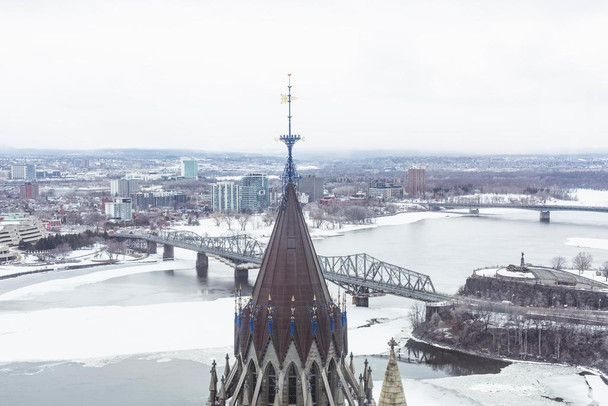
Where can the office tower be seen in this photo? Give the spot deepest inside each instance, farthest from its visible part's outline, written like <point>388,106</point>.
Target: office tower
<point>254,192</point>
<point>312,186</point>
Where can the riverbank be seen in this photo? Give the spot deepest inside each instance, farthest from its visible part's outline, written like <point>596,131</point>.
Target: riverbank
<point>261,232</point>
<point>515,334</point>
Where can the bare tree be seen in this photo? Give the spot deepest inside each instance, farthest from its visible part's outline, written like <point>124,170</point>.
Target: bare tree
<point>357,214</point>
<point>116,247</point>
<point>416,315</point>
<point>317,216</point>
<point>604,270</point>
<point>243,219</point>
<point>217,218</point>
<point>582,262</point>
<point>558,262</point>
<point>268,219</point>
<point>228,216</point>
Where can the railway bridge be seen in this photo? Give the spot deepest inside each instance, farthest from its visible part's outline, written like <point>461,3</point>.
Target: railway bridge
<point>361,275</point>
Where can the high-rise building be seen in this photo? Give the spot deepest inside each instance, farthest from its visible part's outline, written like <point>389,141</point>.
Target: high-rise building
<point>225,197</point>
<point>312,186</point>
<point>415,181</point>
<point>254,192</point>
<point>23,172</point>
<point>119,209</point>
<point>189,168</point>
<point>123,187</point>
<point>29,191</point>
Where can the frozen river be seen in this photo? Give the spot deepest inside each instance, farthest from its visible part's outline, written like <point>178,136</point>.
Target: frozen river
<point>146,333</point>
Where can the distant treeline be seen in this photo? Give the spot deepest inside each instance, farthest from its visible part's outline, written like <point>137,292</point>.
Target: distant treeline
<point>517,181</point>
<point>75,241</point>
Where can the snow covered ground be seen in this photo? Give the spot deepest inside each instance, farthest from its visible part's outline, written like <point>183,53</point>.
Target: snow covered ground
<point>101,334</point>
<point>598,243</point>
<point>97,335</point>
<point>258,230</point>
<point>517,384</point>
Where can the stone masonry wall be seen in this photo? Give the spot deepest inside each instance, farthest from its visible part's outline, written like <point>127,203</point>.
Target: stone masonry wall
<point>527,294</point>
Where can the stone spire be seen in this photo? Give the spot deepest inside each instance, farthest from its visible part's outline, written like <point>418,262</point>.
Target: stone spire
<point>290,336</point>
<point>212,386</point>
<point>392,389</point>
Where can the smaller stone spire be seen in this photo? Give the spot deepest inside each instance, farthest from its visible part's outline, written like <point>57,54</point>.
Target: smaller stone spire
<point>222,394</point>
<point>227,367</point>
<point>392,389</point>
<point>361,393</point>
<point>212,386</point>
<point>523,263</point>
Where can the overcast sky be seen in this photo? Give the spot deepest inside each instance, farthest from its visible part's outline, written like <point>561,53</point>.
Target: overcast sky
<point>423,76</point>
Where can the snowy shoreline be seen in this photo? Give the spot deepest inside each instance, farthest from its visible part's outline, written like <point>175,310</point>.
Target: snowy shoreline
<point>435,344</point>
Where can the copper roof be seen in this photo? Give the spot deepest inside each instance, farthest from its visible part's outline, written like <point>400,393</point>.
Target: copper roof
<point>290,268</point>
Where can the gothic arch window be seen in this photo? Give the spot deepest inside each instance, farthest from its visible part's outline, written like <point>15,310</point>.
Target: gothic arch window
<point>332,376</point>
<point>271,384</point>
<point>252,378</point>
<point>313,381</point>
<point>292,385</point>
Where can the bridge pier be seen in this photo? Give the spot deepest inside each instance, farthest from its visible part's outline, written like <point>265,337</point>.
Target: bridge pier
<point>473,211</point>
<point>361,301</point>
<point>545,216</point>
<point>168,252</point>
<point>151,249</point>
<point>202,264</point>
<point>241,274</point>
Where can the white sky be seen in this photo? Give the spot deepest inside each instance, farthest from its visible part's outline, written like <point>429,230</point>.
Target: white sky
<point>429,76</point>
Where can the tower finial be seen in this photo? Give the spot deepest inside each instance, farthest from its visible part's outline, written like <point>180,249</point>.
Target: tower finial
<point>289,173</point>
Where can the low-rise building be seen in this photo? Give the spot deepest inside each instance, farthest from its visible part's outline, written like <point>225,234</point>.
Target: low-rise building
<point>5,254</point>
<point>20,226</point>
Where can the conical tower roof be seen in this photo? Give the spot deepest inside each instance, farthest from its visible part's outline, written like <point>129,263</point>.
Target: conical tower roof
<point>392,388</point>
<point>300,307</point>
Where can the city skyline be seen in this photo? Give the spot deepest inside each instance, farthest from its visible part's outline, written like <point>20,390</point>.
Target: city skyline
<point>420,77</point>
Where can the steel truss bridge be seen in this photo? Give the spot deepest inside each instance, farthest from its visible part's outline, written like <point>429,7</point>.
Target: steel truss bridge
<point>538,207</point>
<point>360,274</point>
